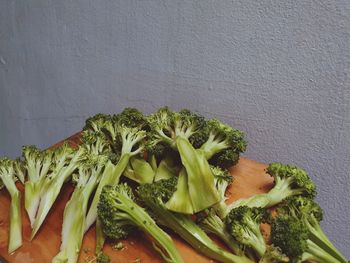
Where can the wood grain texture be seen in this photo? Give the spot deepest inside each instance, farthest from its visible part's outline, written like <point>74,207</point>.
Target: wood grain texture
<point>250,179</point>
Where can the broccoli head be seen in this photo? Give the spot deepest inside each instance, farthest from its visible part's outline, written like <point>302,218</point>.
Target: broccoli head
<point>243,223</point>
<point>119,215</point>
<point>292,236</point>
<point>308,211</point>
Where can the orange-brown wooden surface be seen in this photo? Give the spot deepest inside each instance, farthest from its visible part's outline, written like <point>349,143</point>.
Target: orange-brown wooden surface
<point>250,179</point>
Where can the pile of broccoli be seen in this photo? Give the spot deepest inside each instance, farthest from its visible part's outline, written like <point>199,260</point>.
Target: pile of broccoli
<point>166,171</point>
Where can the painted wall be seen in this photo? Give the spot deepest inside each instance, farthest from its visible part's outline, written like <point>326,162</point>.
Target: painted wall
<point>278,70</point>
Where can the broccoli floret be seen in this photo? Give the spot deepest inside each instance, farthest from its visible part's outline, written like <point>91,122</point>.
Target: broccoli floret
<point>211,223</point>
<point>222,180</point>
<point>65,160</point>
<point>119,214</point>
<point>289,180</point>
<point>225,158</point>
<point>293,237</point>
<point>243,223</point>
<point>167,125</point>
<point>127,130</point>
<point>8,178</point>
<point>97,122</point>
<point>95,142</point>
<point>38,164</point>
<point>175,129</point>
<point>155,196</point>
<point>86,180</point>
<point>20,169</point>
<point>221,137</point>
<point>211,220</point>
<point>311,214</point>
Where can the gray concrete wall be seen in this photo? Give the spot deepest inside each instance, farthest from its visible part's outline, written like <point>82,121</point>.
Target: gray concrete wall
<point>278,70</point>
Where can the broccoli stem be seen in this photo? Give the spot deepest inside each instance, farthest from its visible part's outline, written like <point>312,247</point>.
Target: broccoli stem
<point>315,253</point>
<point>110,176</point>
<point>100,237</point>
<point>213,224</point>
<point>140,171</point>
<point>212,146</point>
<point>49,197</point>
<point>74,222</point>
<point>200,176</point>
<point>257,240</point>
<point>33,191</point>
<point>72,228</point>
<point>194,235</point>
<point>320,238</point>
<point>15,235</point>
<point>142,220</point>
<point>180,201</point>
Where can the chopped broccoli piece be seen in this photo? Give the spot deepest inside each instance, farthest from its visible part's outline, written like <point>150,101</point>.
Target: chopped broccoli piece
<point>311,214</point>
<point>292,236</point>
<point>86,180</point>
<point>38,164</point>
<point>155,196</point>
<point>289,180</point>
<point>139,170</point>
<point>119,214</point>
<point>128,134</point>
<point>65,160</point>
<point>176,129</point>
<point>211,223</point>
<point>243,223</point>
<point>8,178</point>
<point>221,137</point>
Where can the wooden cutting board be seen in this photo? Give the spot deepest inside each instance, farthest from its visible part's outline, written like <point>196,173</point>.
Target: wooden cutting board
<point>250,179</point>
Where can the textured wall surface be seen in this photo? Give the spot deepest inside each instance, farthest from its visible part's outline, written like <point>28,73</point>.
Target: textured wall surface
<point>279,70</point>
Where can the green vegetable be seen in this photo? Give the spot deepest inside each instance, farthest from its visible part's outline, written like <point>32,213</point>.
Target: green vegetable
<point>65,161</point>
<point>289,180</point>
<point>139,170</point>
<point>38,164</point>
<point>243,223</point>
<point>211,223</point>
<point>119,215</point>
<point>8,178</point>
<point>86,180</point>
<point>311,214</point>
<point>175,130</point>
<point>221,143</point>
<point>127,134</point>
<point>155,196</point>
<point>293,237</point>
